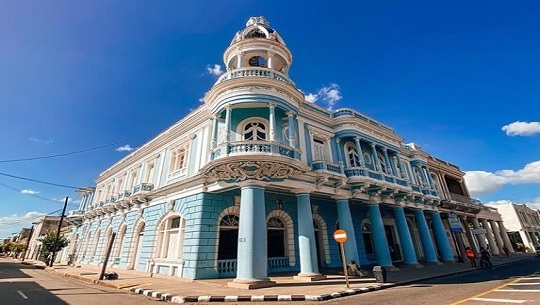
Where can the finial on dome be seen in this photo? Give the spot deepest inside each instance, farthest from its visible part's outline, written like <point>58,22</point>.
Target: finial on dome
<point>258,20</point>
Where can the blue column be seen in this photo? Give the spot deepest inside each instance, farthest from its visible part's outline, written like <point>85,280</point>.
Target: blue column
<point>440,236</point>
<point>252,256</point>
<point>359,150</point>
<point>376,162</point>
<point>405,237</point>
<point>340,153</point>
<point>346,223</point>
<point>425,236</point>
<point>379,237</point>
<point>306,237</point>
<point>387,160</point>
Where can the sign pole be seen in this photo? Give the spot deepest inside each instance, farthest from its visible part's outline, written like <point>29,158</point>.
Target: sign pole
<point>341,236</point>
<point>345,271</point>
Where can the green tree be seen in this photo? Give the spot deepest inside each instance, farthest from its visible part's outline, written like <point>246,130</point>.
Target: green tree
<point>48,243</point>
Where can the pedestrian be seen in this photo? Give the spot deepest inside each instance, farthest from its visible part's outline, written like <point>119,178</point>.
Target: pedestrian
<point>485,257</point>
<point>470,256</point>
<point>355,270</point>
<point>506,251</point>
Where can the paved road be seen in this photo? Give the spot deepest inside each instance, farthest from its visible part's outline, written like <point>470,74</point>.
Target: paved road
<point>21,284</point>
<point>511,284</point>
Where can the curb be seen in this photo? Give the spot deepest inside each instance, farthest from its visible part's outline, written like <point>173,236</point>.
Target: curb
<point>256,298</point>
<point>167,297</point>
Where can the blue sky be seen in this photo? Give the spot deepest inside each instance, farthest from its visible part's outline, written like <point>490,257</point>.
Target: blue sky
<point>448,75</point>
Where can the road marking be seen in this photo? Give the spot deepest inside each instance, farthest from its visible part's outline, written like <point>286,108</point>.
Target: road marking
<point>22,295</point>
<point>518,284</point>
<point>519,290</point>
<point>484,293</point>
<point>499,300</point>
<point>533,278</point>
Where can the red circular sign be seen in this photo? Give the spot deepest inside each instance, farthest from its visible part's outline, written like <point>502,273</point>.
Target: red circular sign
<point>340,236</point>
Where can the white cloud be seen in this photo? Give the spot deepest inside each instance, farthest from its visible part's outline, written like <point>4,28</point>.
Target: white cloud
<point>214,70</point>
<point>534,204</point>
<point>312,98</point>
<point>125,148</point>
<point>41,141</point>
<point>522,128</point>
<point>481,182</point>
<point>20,219</point>
<point>29,192</point>
<point>329,95</point>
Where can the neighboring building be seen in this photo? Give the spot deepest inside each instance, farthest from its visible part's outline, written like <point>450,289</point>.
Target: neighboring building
<point>43,226</point>
<point>257,179</point>
<point>24,235</point>
<point>523,224</point>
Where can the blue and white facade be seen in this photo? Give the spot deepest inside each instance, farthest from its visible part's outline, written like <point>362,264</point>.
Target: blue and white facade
<point>257,179</point>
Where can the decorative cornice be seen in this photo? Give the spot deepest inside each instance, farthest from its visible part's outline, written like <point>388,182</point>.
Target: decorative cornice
<point>240,170</point>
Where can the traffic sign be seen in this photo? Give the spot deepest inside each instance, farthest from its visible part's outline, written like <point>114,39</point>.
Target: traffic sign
<point>340,236</point>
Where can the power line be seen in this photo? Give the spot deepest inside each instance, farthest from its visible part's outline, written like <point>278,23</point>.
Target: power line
<point>39,181</point>
<point>19,222</point>
<point>79,151</point>
<point>33,195</point>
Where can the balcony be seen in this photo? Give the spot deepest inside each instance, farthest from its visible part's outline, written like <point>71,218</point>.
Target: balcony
<point>142,188</point>
<point>255,72</point>
<point>324,166</point>
<point>254,148</point>
<point>358,173</point>
<point>461,203</point>
<point>75,216</point>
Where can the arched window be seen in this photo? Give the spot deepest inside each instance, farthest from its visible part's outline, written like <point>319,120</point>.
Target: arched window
<point>228,237</point>
<point>254,131</point>
<point>352,154</point>
<point>276,237</point>
<point>119,241</point>
<point>96,242</point>
<point>171,238</point>
<point>106,241</point>
<point>257,61</point>
<point>136,247</point>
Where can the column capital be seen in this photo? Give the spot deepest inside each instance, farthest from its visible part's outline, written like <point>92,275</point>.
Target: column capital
<point>252,183</point>
<point>372,144</point>
<point>357,139</point>
<point>271,105</point>
<point>341,197</point>
<point>229,107</point>
<point>300,191</point>
<point>290,114</point>
<point>216,116</point>
<point>338,140</point>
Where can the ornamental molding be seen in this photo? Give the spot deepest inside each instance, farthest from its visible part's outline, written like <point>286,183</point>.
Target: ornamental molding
<point>253,170</point>
<point>271,90</point>
<point>368,131</point>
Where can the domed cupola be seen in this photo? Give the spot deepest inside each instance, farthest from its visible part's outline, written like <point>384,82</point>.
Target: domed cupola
<point>258,45</point>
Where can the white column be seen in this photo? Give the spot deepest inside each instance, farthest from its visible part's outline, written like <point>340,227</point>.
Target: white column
<point>505,237</point>
<point>492,245</point>
<point>228,109</point>
<point>272,119</point>
<point>271,60</point>
<point>292,137</point>
<point>497,234</point>
<point>376,162</point>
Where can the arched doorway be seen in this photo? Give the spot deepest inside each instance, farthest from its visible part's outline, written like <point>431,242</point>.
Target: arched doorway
<point>137,246</point>
<point>228,237</point>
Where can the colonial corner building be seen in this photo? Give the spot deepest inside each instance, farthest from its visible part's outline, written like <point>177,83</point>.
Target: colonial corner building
<point>257,179</point>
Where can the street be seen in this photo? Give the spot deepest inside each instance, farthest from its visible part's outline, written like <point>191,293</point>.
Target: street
<point>510,284</point>
<point>22,284</point>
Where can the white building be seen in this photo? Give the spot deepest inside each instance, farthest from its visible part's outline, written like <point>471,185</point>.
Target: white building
<point>522,222</point>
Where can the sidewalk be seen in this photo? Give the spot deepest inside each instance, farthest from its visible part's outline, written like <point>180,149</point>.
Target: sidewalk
<point>179,290</point>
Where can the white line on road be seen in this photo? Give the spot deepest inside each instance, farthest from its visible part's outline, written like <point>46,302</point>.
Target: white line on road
<point>500,300</point>
<point>518,290</point>
<point>22,295</point>
<point>521,284</point>
<point>532,278</point>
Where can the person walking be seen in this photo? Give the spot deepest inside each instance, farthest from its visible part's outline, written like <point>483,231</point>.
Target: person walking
<point>470,255</point>
<point>485,258</point>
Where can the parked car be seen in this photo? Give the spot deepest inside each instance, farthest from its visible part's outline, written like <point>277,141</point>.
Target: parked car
<point>537,250</point>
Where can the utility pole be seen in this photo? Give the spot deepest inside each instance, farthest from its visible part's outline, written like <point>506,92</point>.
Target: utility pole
<point>28,243</point>
<point>109,249</point>
<point>58,233</point>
